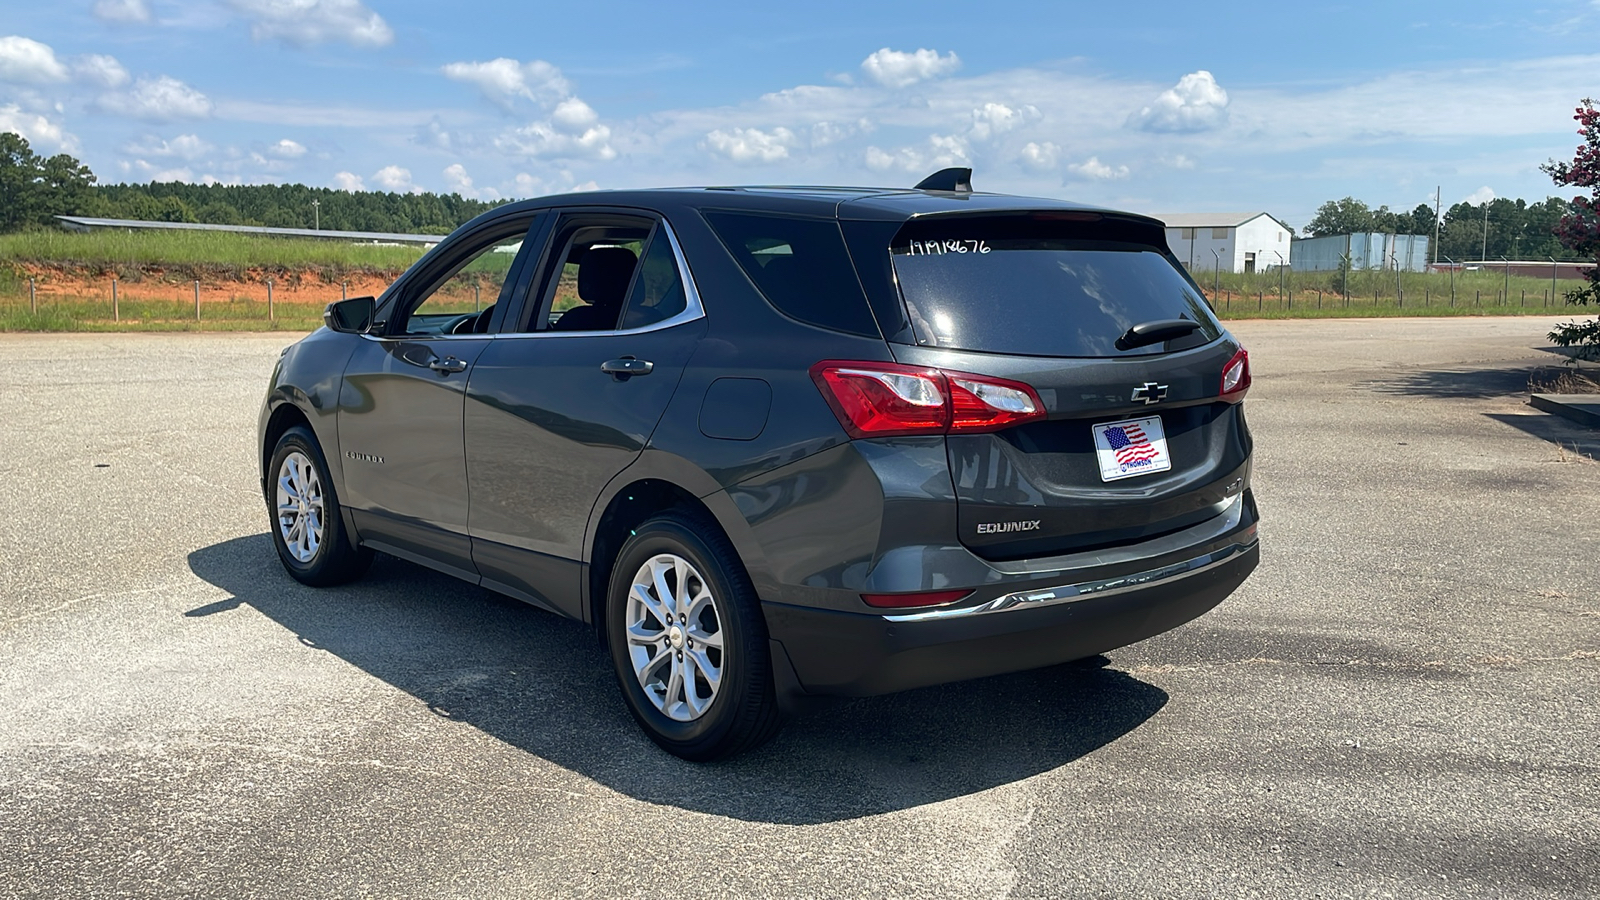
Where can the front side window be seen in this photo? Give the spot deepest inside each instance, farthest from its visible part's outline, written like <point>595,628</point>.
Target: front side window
<point>460,297</point>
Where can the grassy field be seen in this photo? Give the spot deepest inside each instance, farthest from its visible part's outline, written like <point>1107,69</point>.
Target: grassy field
<point>188,255</point>
<point>156,272</point>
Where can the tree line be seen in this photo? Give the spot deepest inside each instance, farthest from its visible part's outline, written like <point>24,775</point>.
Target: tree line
<point>34,189</point>
<point>1515,229</point>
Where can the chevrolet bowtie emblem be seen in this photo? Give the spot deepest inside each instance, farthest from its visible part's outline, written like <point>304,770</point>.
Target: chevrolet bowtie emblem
<point>1150,392</point>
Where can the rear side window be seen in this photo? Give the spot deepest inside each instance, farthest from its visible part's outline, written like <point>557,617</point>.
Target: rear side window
<point>1048,295</point>
<point>800,266</point>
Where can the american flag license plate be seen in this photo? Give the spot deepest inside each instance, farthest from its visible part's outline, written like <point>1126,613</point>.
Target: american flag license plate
<point>1130,448</point>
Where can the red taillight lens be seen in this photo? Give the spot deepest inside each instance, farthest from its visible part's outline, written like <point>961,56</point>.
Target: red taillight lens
<point>1236,377</point>
<point>906,601</point>
<point>875,399</point>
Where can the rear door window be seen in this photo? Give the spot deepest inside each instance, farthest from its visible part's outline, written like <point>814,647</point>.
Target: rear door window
<point>1043,295</point>
<point>800,265</point>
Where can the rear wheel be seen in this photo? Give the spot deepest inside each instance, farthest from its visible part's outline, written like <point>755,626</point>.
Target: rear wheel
<point>307,527</point>
<point>688,641</point>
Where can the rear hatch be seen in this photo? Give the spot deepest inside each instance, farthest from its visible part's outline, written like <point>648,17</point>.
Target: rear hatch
<point>1137,437</point>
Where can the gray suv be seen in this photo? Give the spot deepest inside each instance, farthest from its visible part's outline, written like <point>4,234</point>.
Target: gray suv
<point>781,443</point>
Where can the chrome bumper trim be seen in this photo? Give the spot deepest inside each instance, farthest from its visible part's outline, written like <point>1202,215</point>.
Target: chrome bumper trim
<point>1071,593</point>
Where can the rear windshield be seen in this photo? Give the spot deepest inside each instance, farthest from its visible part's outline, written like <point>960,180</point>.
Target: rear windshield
<point>1042,296</point>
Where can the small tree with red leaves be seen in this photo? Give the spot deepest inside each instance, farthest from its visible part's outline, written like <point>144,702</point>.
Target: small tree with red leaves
<point>1579,230</point>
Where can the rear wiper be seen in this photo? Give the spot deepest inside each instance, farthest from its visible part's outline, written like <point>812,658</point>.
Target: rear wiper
<point>1155,332</point>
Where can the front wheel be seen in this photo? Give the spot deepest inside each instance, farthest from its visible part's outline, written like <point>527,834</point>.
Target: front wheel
<point>307,527</point>
<point>688,640</point>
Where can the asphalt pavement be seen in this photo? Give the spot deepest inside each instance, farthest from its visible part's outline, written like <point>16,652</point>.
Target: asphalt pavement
<point>1402,701</point>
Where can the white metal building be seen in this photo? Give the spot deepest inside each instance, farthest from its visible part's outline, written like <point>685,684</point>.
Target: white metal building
<point>1238,242</point>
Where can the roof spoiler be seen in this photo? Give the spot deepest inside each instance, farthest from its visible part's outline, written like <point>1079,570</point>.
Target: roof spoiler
<point>955,180</point>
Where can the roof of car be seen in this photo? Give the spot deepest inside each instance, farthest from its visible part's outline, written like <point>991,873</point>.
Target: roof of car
<point>844,202</point>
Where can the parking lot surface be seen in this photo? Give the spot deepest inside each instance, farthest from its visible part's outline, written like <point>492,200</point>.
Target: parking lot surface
<point>1402,701</point>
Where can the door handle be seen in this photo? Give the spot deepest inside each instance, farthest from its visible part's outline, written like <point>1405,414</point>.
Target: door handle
<point>447,366</point>
<point>627,367</point>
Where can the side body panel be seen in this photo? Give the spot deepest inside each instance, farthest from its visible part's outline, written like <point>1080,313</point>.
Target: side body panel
<point>546,430</point>
<point>400,427</point>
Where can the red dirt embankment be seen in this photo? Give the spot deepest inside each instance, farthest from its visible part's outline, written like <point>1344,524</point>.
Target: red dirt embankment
<point>303,287</point>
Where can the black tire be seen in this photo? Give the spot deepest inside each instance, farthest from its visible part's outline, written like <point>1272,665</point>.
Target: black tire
<point>336,559</point>
<point>743,713</point>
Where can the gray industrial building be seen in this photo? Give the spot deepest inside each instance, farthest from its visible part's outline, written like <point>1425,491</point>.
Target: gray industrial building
<point>1365,251</point>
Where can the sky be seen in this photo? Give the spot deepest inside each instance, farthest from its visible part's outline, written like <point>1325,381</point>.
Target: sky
<point>1153,107</point>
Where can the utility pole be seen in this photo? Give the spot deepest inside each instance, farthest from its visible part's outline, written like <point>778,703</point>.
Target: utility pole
<point>316,214</point>
<point>1452,280</point>
<point>1283,269</point>
<point>1485,253</point>
<point>1552,279</point>
<point>1438,194</point>
<point>1507,264</point>
<point>1216,283</point>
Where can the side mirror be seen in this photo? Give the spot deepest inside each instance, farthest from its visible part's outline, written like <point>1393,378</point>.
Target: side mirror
<point>352,316</point>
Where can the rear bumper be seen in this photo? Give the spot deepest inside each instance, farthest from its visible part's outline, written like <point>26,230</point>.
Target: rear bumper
<point>855,654</point>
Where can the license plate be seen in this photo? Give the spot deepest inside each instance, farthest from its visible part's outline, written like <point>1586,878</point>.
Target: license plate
<point>1131,448</point>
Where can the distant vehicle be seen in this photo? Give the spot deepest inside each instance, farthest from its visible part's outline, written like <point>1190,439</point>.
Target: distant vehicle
<point>787,442</point>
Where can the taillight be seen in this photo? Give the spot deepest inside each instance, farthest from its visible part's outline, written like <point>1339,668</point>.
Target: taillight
<point>907,601</point>
<point>1236,377</point>
<point>874,399</point>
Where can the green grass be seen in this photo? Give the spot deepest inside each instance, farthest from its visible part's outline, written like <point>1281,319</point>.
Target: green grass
<point>133,255</point>
<point>96,314</point>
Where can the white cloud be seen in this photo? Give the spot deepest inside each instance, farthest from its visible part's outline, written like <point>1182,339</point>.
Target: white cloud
<point>545,140</point>
<point>133,12</point>
<point>993,119</point>
<point>1094,168</point>
<point>348,181</point>
<point>30,62</point>
<point>102,70</point>
<point>573,114</point>
<point>824,133</point>
<point>898,69</point>
<point>302,23</point>
<point>35,129</point>
<point>184,146</point>
<point>456,179</point>
<point>158,174</point>
<point>941,152</point>
<point>287,149</point>
<point>750,145</point>
<point>395,179</point>
<point>160,99</point>
<point>1480,196</point>
<point>434,135</point>
<point>504,81</point>
<point>1195,103</point>
<point>1040,157</point>
<point>1178,161</point>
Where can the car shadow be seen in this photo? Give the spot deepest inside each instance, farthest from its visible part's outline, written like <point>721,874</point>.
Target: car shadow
<point>542,684</point>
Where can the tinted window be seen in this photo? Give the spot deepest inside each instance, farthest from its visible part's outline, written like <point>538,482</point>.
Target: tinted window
<point>657,289</point>
<point>1042,296</point>
<point>800,265</point>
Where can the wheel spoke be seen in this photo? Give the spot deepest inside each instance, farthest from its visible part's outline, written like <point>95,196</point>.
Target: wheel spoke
<point>675,685</point>
<point>641,594</point>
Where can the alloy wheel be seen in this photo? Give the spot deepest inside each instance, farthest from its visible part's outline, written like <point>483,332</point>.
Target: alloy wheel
<point>675,639</point>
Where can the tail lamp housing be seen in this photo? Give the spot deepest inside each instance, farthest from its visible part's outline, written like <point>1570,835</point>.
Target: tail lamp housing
<point>1236,377</point>
<point>878,399</point>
